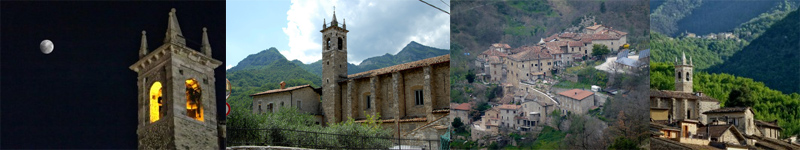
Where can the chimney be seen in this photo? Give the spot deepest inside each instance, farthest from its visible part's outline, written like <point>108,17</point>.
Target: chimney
<point>283,85</point>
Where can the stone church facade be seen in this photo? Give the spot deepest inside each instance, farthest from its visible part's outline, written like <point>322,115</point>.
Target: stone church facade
<point>411,98</point>
<point>176,101</point>
<point>683,103</point>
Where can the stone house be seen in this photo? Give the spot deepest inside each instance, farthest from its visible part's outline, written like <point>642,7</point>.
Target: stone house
<point>413,97</point>
<point>576,101</point>
<point>535,111</point>
<point>304,98</point>
<point>176,93</point>
<point>769,129</point>
<point>462,111</point>
<point>725,133</point>
<point>740,117</point>
<point>507,115</point>
<point>530,64</point>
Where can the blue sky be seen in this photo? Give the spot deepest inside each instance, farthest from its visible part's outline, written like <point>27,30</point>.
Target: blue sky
<point>376,27</point>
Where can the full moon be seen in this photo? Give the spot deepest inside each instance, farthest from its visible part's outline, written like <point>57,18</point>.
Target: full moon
<point>46,46</point>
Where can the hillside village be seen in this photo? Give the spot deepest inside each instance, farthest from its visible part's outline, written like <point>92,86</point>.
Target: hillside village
<point>688,119</point>
<point>527,78</point>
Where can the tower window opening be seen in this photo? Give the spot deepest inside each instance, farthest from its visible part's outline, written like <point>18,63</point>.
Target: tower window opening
<point>340,44</point>
<point>157,110</point>
<point>194,107</point>
<point>328,44</point>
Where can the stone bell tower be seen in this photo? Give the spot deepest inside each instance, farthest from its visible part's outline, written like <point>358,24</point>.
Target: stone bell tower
<point>176,101</point>
<point>683,75</point>
<point>334,68</point>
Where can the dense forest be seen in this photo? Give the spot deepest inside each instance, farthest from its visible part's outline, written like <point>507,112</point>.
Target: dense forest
<point>773,58</point>
<point>704,52</point>
<point>674,17</point>
<point>767,104</point>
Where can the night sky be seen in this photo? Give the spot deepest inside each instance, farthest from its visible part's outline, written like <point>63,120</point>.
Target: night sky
<point>82,95</point>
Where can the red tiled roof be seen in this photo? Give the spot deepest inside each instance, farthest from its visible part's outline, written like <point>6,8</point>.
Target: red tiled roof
<point>619,32</point>
<point>530,53</point>
<point>567,35</point>
<point>577,94</point>
<point>506,106</point>
<point>401,67</point>
<point>463,106</point>
<point>550,38</point>
<point>281,90</point>
<point>493,59</point>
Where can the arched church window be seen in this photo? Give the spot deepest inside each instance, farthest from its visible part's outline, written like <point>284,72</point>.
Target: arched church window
<point>194,107</point>
<point>281,104</point>
<point>679,76</point>
<point>156,102</point>
<point>328,44</point>
<point>259,107</point>
<point>340,43</point>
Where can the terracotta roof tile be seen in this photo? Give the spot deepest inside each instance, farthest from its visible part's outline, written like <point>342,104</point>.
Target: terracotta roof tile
<point>575,43</point>
<point>281,90</point>
<point>677,94</point>
<point>577,94</point>
<point>463,106</point>
<point>567,35</point>
<point>531,53</point>
<point>493,59</point>
<point>550,38</point>
<point>401,67</point>
<point>511,107</point>
<point>594,27</point>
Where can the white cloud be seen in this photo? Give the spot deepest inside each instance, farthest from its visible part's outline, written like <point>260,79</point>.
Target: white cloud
<point>228,67</point>
<point>376,27</point>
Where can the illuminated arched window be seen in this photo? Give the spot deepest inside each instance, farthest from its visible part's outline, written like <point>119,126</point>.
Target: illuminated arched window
<point>194,107</point>
<point>156,102</point>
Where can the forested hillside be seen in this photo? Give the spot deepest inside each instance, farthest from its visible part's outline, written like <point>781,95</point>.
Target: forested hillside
<point>704,52</point>
<point>773,58</point>
<point>674,17</point>
<point>411,52</point>
<point>768,104</point>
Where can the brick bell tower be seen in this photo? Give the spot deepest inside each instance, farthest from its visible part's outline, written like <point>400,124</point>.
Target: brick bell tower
<point>334,68</point>
<point>683,74</point>
<point>176,101</point>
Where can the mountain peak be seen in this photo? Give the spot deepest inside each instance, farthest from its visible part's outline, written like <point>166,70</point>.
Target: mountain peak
<point>260,59</point>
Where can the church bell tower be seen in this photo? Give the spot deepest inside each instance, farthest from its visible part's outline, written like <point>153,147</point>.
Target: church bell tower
<point>176,101</point>
<point>683,75</point>
<point>334,67</point>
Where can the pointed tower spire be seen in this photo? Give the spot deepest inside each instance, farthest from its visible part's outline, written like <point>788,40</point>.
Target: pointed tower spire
<point>324,23</point>
<point>143,47</point>
<point>344,24</point>
<point>206,45</point>
<point>174,34</point>
<point>334,22</point>
<point>691,63</point>
<point>683,58</point>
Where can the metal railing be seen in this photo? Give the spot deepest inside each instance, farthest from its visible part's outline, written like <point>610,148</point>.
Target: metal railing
<point>321,140</point>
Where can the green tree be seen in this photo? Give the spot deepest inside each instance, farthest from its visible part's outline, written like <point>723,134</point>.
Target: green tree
<point>470,76</point>
<point>740,97</point>
<point>600,50</point>
<point>457,124</point>
<point>623,143</point>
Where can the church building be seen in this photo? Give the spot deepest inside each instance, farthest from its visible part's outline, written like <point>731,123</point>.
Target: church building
<point>176,101</point>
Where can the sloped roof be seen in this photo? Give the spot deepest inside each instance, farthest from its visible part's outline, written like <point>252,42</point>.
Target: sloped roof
<point>714,131</point>
<point>618,32</point>
<point>281,90</point>
<point>679,95</point>
<point>727,110</point>
<point>493,59</point>
<point>575,43</point>
<point>576,94</point>
<point>507,106</point>
<point>463,106</point>
<point>401,67</point>
<point>644,53</point>
<point>768,124</point>
<point>530,53</point>
<point>567,35</point>
<point>550,38</point>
